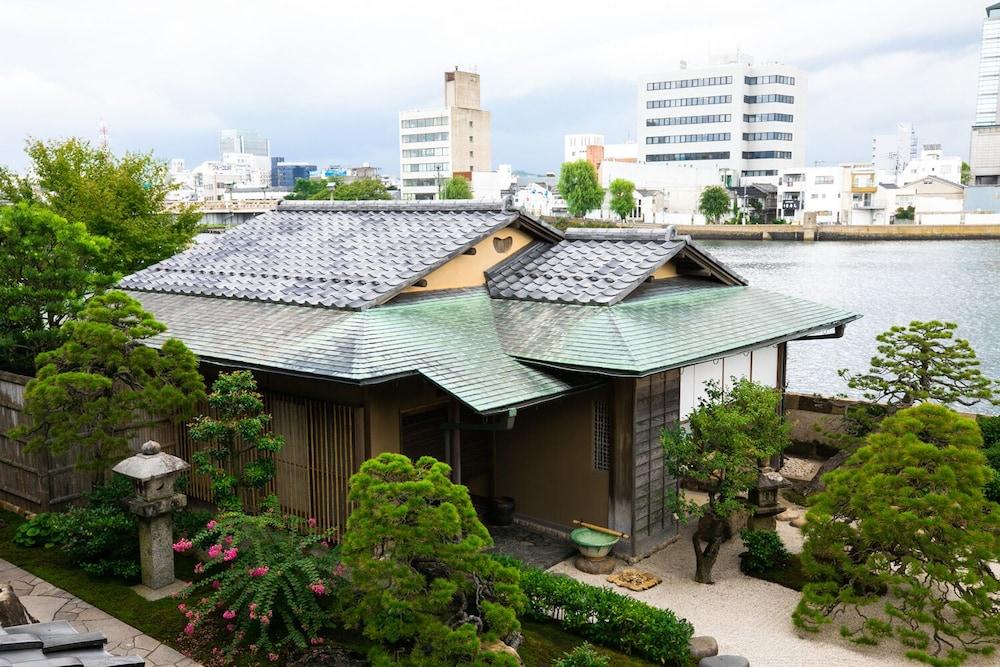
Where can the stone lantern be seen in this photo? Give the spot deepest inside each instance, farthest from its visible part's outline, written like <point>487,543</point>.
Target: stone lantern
<point>764,496</point>
<point>154,473</point>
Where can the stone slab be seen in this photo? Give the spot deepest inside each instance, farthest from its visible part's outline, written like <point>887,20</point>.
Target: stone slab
<point>153,594</point>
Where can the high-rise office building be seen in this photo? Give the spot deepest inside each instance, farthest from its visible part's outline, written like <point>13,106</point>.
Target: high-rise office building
<point>892,152</point>
<point>453,140</point>
<point>745,119</point>
<point>244,141</point>
<point>984,147</point>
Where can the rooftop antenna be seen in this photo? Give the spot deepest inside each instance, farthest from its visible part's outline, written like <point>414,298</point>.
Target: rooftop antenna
<point>103,136</point>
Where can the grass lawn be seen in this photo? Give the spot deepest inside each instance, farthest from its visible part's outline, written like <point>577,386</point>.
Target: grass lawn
<point>543,642</point>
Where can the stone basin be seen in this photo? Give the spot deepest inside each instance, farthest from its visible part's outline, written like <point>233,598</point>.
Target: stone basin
<point>593,543</point>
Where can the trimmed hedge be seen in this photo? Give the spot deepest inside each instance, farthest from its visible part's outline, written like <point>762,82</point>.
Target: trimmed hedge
<point>604,617</point>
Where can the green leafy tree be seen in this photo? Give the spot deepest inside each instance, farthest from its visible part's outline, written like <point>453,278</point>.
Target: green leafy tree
<point>104,383</point>
<point>240,428</point>
<point>310,188</point>
<point>361,189</point>
<point>456,187</point>
<point>579,186</point>
<point>422,582</point>
<point>905,213</point>
<point>730,432</point>
<point>714,202</point>
<point>966,177</point>
<point>48,267</point>
<point>622,201</point>
<point>120,198</point>
<point>923,362</point>
<point>900,543</point>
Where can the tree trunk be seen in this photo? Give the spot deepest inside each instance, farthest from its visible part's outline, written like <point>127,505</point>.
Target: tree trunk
<point>816,485</point>
<point>712,531</point>
<point>12,612</point>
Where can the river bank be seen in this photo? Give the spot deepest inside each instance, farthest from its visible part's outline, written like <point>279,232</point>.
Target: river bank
<point>840,232</point>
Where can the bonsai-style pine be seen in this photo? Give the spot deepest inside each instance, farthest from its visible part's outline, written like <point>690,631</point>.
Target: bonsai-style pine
<point>424,588</point>
<point>730,432</point>
<point>899,544</point>
<point>240,428</point>
<point>104,383</point>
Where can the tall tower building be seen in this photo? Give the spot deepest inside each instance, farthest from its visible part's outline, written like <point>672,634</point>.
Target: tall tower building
<point>984,147</point>
<point>892,152</point>
<point>745,119</point>
<point>453,140</point>
<point>244,141</point>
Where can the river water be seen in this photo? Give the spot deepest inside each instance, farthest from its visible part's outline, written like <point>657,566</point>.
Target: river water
<point>888,282</point>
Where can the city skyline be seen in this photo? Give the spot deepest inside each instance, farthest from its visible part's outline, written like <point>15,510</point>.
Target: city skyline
<point>335,98</point>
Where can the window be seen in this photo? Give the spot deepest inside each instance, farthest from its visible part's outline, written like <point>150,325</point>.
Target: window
<point>430,136</point>
<point>770,78</point>
<point>767,136</point>
<point>760,172</point>
<point>426,166</point>
<point>767,117</point>
<point>419,182</point>
<point>424,122</point>
<point>824,180</point>
<point>689,138</point>
<point>689,120</point>
<point>689,101</point>
<point>602,436</point>
<point>683,157</point>
<point>690,83</point>
<point>470,153</point>
<point>425,152</point>
<point>760,99</point>
<point>470,138</point>
<point>470,123</point>
<point>767,155</point>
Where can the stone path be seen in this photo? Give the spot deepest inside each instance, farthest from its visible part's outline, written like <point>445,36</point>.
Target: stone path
<point>47,603</point>
<point>534,548</point>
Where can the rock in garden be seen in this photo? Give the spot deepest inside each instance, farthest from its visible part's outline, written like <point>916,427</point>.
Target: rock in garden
<point>798,522</point>
<point>724,661</point>
<point>12,612</point>
<point>499,647</point>
<point>703,647</point>
<point>595,565</point>
<point>788,515</point>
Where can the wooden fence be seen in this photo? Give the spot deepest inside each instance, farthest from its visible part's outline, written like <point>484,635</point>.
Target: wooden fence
<point>323,448</point>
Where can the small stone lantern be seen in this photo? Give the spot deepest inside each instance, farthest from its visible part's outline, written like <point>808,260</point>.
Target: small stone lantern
<point>154,474</point>
<point>764,497</point>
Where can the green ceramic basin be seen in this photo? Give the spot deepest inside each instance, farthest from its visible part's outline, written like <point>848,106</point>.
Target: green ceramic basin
<point>591,543</point>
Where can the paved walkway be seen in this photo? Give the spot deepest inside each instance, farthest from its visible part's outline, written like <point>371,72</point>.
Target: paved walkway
<point>48,603</point>
<point>748,616</point>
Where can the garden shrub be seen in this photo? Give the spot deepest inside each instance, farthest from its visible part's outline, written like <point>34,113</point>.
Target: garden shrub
<point>190,522</point>
<point>989,426</point>
<point>604,617</point>
<point>422,586</point>
<point>583,655</point>
<point>265,587</point>
<point>764,551</point>
<point>42,530</point>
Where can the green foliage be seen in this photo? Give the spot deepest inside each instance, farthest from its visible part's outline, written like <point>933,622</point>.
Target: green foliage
<point>45,529</point>
<point>456,187</point>
<point>603,616</point>
<point>310,188</point>
<point>989,426</point>
<point>905,213</point>
<point>764,551</point>
<point>923,362</point>
<point>903,527</point>
<point>267,581</point>
<point>189,522</point>
<point>120,198</point>
<point>103,383</point>
<point>241,426</point>
<point>714,202</point>
<point>421,581</point>
<point>363,188</point>
<point>48,267</point>
<point>579,186</point>
<point>966,173</point>
<point>622,201</point>
<point>583,655</point>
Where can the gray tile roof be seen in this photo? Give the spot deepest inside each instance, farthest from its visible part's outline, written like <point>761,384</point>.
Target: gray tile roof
<point>340,255</point>
<point>57,644</point>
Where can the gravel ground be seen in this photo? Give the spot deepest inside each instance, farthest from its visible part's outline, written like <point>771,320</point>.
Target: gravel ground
<point>748,616</point>
<point>800,468</point>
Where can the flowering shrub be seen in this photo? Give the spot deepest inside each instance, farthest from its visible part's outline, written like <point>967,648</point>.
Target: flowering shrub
<point>264,588</point>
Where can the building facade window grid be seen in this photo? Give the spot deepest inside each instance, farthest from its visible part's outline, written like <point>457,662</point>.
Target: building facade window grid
<point>689,120</point>
<point>689,138</point>
<point>761,99</point>
<point>769,78</point>
<point>767,117</point>
<point>429,136</point>
<point>684,157</point>
<point>767,155</point>
<point>759,172</point>
<point>420,182</point>
<point>425,152</point>
<point>411,123</point>
<point>689,101</point>
<point>767,136</point>
<point>426,166</point>
<point>602,436</point>
<point>690,83</point>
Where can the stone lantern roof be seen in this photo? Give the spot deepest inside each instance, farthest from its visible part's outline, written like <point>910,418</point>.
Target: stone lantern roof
<point>150,463</point>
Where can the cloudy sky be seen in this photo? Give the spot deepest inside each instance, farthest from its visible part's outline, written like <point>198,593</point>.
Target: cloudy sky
<point>325,80</point>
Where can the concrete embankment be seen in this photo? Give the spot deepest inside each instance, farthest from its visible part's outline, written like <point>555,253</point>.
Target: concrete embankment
<point>840,232</point>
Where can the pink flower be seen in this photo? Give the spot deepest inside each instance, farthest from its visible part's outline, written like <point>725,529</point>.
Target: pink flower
<point>312,522</point>
<point>325,544</point>
<point>214,550</point>
<point>199,568</point>
<point>181,607</point>
<point>230,627</point>
<point>189,629</point>
<point>228,540</point>
<point>253,606</point>
<point>259,571</point>
<point>339,570</point>
<point>273,657</point>
<point>264,620</point>
<point>216,585</point>
<point>318,588</point>
<point>182,545</point>
<point>230,554</point>
<point>211,524</point>
<point>253,614</point>
<point>316,641</point>
<point>229,614</point>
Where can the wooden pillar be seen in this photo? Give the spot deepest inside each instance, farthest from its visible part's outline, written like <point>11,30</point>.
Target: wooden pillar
<point>454,442</point>
<point>622,477</point>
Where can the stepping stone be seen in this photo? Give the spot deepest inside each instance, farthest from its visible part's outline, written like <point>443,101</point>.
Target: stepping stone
<point>798,522</point>
<point>724,661</point>
<point>703,647</point>
<point>54,643</point>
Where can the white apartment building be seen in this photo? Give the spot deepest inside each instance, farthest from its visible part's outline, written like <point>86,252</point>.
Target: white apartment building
<point>575,145</point>
<point>681,186</point>
<point>453,140</point>
<point>837,195</point>
<point>932,162</point>
<point>734,115</point>
<point>494,185</point>
<point>892,152</point>
<point>984,148</point>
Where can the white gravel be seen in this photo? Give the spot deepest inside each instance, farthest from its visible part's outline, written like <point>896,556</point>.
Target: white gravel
<point>748,616</point>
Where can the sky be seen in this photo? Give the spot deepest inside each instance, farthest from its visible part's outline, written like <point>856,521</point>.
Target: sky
<point>325,80</point>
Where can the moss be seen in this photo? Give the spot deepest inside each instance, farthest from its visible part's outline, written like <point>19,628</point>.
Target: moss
<point>544,642</point>
<point>789,576</point>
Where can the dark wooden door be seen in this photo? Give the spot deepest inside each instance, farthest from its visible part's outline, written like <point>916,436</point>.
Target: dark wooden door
<point>423,433</point>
